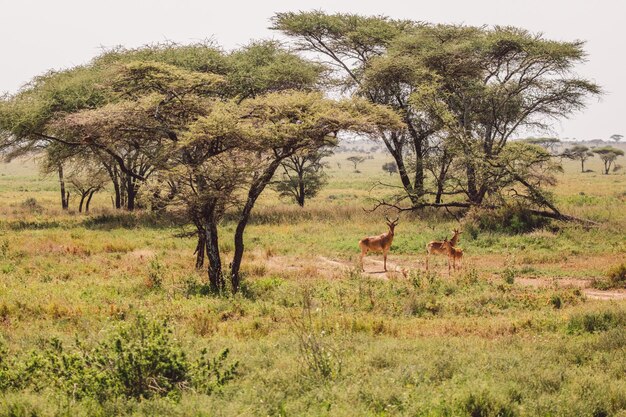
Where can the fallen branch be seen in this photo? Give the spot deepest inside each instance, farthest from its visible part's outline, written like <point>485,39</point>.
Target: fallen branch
<point>460,204</point>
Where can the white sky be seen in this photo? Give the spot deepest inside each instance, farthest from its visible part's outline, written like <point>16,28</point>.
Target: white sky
<point>37,35</point>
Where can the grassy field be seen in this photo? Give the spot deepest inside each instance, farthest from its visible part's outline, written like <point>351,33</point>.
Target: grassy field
<point>85,300</point>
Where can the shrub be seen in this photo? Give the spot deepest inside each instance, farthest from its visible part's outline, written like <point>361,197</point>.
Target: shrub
<point>506,219</point>
<point>155,274</point>
<point>508,275</point>
<point>139,360</point>
<point>31,205</point>
<point>485,405</point>
<point>615,278</point>
<point>596,321</point>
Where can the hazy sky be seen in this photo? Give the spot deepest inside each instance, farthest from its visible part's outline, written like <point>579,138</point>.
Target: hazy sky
<point>37,35</point>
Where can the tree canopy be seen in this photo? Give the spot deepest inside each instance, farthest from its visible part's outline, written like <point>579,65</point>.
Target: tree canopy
<point>462,91</point>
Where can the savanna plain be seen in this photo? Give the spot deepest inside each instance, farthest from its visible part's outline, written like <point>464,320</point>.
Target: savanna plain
<point>104,314</point>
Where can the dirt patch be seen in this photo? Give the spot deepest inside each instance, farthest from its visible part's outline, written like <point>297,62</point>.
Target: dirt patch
<point>583,284</point>
<point>335,267</point>
<point>142,254</point>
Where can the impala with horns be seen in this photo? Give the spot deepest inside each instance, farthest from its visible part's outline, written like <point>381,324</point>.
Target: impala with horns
<point>454,254</point>
<point>436,247</point>
<point>380,243</point>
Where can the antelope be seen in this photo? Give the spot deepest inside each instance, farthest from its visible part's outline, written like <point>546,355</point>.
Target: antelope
<point>453,254</point>
<point>378,243</point>
<point>436,247</point>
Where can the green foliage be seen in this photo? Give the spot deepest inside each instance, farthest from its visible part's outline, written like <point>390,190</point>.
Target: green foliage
<point>263,67</point>
<point>608,155</point>
<point>139,360</point>
<point>615,278</point>
<point>596,321</point>
<point>509,275</point>
<point>201,57</point>
<point>155,274</point>
<point>485,405</point>
<point>507,219</point>
<point>303,176</point>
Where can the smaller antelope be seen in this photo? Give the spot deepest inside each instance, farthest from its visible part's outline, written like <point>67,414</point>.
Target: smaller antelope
<point>435,247</point>
<point>378,243</point>
<point>453,254</point>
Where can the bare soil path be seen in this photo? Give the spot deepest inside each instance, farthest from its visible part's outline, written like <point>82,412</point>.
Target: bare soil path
<point>373,265</point>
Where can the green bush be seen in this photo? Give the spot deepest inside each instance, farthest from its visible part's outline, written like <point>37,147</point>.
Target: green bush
<point>140,360</point>
<point>485,405</point>
<point>506,219</point>
<point>615,278</point>
<point>596,321</point>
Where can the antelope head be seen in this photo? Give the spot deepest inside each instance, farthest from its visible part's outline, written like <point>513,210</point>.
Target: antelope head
<point>392,224</point>
<point>455,236</point>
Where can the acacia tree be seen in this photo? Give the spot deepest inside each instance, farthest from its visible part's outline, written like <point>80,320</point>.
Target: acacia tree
<point>25,117</point>
<point>349,44</point>
<point>549,144</point>
<point>33,118</point>
<point>220,154</point>
<point>579,152</point>
<point>86,181</point>
<point>390,167</point>
<point>303,175</point>
<point>474,86</point>
<point>356,160</point>
<point>617,137</point>
<point>265,131</point>
<point>608,155</point>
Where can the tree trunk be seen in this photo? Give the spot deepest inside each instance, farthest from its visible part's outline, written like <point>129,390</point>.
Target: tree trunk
<point>300,196</point>
<point>582,165</point>
<point>82,200</point>
<point>89,201</point>
<point>255,191</point>
<point>130,194</point>
<point>118,195</point>
<point>239,247</point>
<point>394,147</point>
<point>216,279</point>
<point>200,247</point>
<point>64,196</point>
<point>472,190</point>
<point>418,182</point>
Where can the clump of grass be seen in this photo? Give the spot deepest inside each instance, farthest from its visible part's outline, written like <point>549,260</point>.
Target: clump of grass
<point>615,278</point>
<point>508,275</point>
<point>31,205</point>
<point>318,357</point>
<point>4,249</point>
<point>154,279</point>
<point>486,405</point>
<point>192,287</point>
<point>596,321</point>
